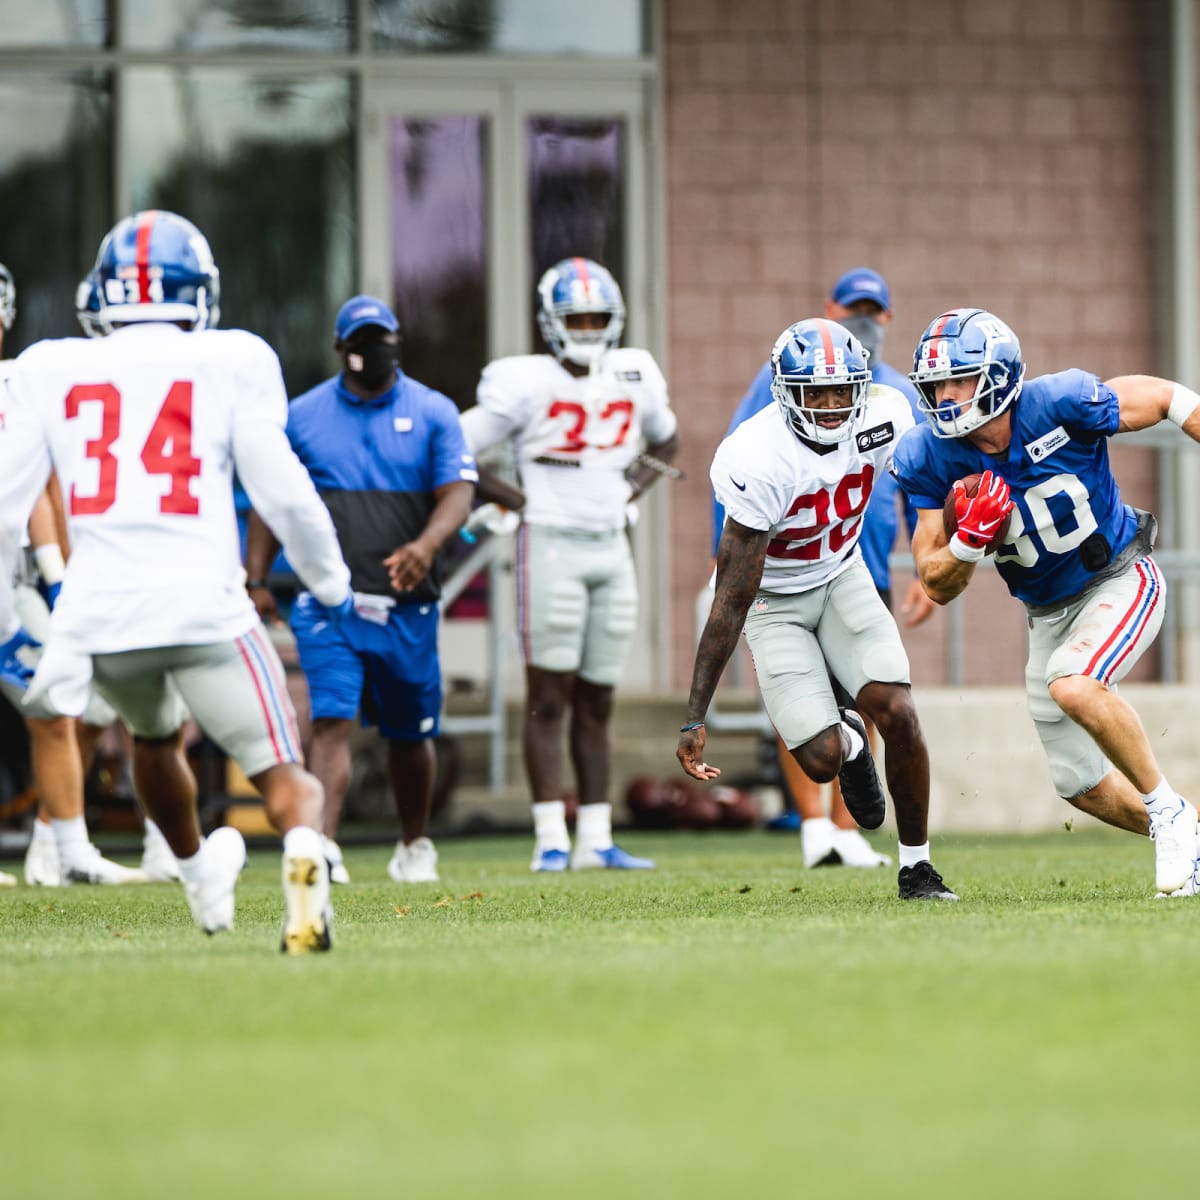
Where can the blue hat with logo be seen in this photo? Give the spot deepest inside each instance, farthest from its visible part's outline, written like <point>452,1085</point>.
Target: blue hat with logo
<point>861,283</point>
<point>363,310</point>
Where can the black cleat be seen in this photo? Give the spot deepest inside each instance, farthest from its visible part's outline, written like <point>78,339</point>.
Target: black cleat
<point>922,882</point>
<point>861,789</point>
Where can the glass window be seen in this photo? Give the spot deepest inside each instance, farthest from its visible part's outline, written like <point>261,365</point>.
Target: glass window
<point>264,164</point>
<point>439,171</point>
<point>308,26</point>
<point>615,28</point>
<point>576,193</point>
<point>65,23</point>
<point>55,192</point>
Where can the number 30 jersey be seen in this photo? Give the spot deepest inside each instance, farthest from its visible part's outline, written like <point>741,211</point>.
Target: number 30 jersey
<point>1069,521</point>
<point>574,437</point>
<point>812,503</point>
<point>145,428</point>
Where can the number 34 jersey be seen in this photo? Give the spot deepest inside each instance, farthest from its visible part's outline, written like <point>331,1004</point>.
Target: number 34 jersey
<point>144,429</point>
<point>813,503</point>
<point>574,437</point>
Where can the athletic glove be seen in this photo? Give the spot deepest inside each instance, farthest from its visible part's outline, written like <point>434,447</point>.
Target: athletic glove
<point>980,517</point>
<point>15,667</point>
<point>495,519</point>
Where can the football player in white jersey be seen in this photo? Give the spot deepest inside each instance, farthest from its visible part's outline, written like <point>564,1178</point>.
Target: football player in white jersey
<point>795,480</point>
<point>144,428</point>
<point>577,419</point>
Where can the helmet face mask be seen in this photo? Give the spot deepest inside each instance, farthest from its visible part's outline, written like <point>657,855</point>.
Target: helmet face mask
<point>87,306</point>
<point>155,266</point>
<point>569,289</point>
<point>809,358</point>
<point>967,343</point>
<point>8,298</point>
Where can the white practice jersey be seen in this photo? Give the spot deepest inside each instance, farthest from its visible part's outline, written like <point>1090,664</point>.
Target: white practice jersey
<point>20,483</point>
<point>574,437</point>
<point>813,504</point>
<point>145,428</point>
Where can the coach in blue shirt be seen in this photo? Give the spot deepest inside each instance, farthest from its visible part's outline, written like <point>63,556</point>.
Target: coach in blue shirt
<point>389,460</point>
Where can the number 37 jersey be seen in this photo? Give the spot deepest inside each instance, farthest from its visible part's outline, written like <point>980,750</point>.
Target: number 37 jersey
<point>144,429</point>
<point>574,437</point>
<point>813,503</point>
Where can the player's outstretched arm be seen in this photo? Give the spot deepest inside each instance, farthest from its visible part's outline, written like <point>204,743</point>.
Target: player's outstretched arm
<point>740,558</point>
<point>1145,400</point>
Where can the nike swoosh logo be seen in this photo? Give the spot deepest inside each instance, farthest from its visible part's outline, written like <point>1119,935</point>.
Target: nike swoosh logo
<point>741,487</point>
<point>985,526</point>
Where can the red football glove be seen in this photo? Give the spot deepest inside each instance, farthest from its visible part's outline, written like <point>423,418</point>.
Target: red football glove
<point>980,516</point>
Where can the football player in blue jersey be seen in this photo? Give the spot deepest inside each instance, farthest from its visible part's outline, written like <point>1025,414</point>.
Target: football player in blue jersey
<point>1073,553</point>
<point>860,301</point>
<point>388,457</point>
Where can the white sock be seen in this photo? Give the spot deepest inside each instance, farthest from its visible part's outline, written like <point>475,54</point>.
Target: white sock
<point>152,835</point>
<point>856,741</point>
<point>593,826</point>
<point>303,842</point>
<point>550,825</point>
<point>191,870</point>
<point>72,838</point>
<point>1163,800</point>
<point>911,855</point>
<point>43,831</point>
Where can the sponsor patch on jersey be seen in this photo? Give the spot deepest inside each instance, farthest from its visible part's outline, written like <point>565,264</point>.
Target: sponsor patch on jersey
<point>1046,445</point>
<point>402,424</point>
<point>545,460</point>
<point>630,376</point>
<point>876,436</point>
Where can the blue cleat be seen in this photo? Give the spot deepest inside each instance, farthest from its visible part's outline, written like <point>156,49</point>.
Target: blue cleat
<point>786,822</point>
<point>612,859</point>
<point>549,860</point>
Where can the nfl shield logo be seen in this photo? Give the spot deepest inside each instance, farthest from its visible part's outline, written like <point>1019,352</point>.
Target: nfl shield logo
<point>760,605</point>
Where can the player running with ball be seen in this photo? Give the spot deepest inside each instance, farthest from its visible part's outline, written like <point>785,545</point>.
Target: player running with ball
<point>1075,555</point>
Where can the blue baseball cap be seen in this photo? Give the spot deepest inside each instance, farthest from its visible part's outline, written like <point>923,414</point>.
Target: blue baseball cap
<point>861,283</point>
<point>363,310</point>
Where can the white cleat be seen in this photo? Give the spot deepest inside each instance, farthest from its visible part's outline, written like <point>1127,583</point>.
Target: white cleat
<point>41,861</point>
<point>416,862</point>
<point>1191,888</point>
<point>7,880</point>
<point>337,865</point>
<point>92,867</point>
<point>855,851</point>
<point>308,919</point>
<point>158,863</point>
<point>1175,847</point>
<point>817,843</point>
<point>211,898</point>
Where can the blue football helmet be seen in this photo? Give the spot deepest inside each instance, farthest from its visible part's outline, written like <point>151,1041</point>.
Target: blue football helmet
<point>818,354</point>
<point>8,298</point>
<point>156,266</point>
<point>578,285</point>
<point>959,344</point>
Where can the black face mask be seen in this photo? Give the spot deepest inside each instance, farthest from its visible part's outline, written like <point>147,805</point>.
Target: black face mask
<point>371,365</point>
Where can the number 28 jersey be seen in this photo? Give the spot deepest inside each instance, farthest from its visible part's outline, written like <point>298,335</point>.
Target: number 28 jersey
<point>574,437</point>
<point>144,429</point>
<point>813,503</point>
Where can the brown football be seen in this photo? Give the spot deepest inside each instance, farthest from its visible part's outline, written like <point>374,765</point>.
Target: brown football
<point>950,516</point>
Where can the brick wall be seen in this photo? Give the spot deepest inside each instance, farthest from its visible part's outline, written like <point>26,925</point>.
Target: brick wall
<point>988,154</point>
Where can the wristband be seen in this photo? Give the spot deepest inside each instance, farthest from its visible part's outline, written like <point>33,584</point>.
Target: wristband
<point>1184,402</point>
<point>965,552</point>
<point>690,727</point>
<point>50,565</point>
<point>252,584</point>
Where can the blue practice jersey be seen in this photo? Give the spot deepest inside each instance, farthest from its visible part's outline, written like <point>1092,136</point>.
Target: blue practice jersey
<point>376,464</point>
<point>1068,506</point>
<point>881,519</point>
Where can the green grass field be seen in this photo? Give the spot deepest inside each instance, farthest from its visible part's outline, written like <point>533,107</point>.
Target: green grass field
<point>727,1025</point>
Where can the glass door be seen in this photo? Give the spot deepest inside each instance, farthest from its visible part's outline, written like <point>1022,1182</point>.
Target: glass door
<point>470,193</point>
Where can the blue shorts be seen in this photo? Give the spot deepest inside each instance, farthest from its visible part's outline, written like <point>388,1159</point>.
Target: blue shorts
<point>386,674</point>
